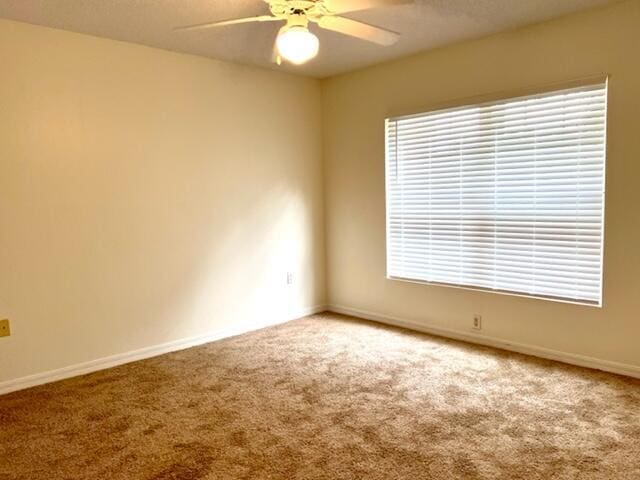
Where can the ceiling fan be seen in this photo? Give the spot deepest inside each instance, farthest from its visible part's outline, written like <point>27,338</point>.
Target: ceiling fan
<point>295,43</point>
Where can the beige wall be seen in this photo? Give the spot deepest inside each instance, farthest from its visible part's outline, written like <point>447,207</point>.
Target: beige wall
<point>355,105</point>
<point>147,196</point>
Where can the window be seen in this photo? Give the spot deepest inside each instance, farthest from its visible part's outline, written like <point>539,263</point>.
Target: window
<point>506,196</point>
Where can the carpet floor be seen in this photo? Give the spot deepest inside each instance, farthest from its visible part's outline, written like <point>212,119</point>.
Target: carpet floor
<point>327,397</point>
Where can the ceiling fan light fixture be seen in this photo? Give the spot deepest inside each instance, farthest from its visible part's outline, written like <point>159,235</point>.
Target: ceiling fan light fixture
<point>297,44</point>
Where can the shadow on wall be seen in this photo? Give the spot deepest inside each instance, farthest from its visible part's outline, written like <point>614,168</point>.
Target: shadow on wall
<point>114,255</point>
<point>142,204</point>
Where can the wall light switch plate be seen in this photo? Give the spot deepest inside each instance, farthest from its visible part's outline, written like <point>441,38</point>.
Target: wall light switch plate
<point>4,328</point>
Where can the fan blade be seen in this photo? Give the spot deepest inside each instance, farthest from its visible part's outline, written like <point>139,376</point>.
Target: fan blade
<point>343,6</point>
<point>234,21</point>
<point>358,29</point>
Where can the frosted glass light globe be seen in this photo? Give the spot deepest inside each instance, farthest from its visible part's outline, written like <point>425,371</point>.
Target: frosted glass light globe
<point>297,45</point>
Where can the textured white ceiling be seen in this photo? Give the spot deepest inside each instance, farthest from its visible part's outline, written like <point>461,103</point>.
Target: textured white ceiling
<point>425,24</point>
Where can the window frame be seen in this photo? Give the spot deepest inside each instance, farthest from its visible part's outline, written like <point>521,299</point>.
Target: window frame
<point>491,98</point>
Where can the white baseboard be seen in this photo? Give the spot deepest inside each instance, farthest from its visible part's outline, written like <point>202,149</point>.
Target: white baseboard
<point>155,350</point>
<point>536,351</point>
<point>146,352</point>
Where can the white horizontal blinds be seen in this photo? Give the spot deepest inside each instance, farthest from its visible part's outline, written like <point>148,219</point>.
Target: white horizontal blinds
<point>505,195</point>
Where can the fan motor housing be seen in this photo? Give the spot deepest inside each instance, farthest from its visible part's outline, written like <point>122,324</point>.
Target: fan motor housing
<point>297,8</point>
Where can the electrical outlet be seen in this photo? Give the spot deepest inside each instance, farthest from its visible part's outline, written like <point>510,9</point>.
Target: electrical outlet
<point>477,322</point>
<point>4,328</point>
<point>289,278</point>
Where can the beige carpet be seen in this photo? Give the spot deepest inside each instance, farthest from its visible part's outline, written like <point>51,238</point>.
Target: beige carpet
<point>327,397</point>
